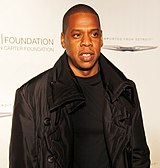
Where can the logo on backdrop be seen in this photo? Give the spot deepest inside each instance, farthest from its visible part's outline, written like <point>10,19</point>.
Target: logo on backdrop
<point>29,44</point>
<point>38,44</point>
<point>128,40</point>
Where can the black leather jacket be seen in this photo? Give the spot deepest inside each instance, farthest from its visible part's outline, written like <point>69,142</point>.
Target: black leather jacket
<point>42,135</point>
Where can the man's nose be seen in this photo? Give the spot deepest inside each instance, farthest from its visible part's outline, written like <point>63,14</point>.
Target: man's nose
<point>86,41</point>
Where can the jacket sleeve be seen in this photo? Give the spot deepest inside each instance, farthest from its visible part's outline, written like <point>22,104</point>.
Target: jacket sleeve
<point>141,154</point>
<point>22,144</point>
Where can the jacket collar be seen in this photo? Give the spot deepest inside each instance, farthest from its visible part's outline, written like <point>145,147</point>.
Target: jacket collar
<point>115,81</point>
<point>64,90</point>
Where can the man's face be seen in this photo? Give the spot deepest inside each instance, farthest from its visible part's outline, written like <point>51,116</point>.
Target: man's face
<point>82,41</point>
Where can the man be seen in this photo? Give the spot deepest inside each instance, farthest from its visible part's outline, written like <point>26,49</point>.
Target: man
<point>82,113</point>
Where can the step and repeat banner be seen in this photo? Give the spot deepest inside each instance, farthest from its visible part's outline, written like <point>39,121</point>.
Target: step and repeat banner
<point>30,44</point>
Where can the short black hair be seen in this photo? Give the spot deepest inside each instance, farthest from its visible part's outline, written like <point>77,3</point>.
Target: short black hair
<point>75,9</point>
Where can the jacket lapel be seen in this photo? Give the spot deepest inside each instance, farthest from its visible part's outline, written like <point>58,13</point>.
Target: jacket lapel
<point>114,80</point>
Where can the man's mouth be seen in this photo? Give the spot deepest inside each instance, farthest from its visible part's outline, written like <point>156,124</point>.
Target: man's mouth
<point>86,57</point>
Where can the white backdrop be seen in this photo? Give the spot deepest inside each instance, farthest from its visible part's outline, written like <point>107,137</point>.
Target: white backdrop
<point>30,43</point>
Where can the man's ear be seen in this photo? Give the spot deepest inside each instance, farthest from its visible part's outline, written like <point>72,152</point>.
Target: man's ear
<point>101,39</point>
<point>62,40</point>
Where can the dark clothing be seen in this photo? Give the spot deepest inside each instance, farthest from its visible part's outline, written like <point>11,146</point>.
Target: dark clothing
<point>42,134</point>
<point>89,143</point>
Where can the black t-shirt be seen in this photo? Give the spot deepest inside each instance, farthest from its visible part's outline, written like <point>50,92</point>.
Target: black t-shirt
<point>89,144</point>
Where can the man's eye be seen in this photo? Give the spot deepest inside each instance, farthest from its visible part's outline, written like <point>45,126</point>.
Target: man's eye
<point>76,35</point>
<point>95,34</point>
